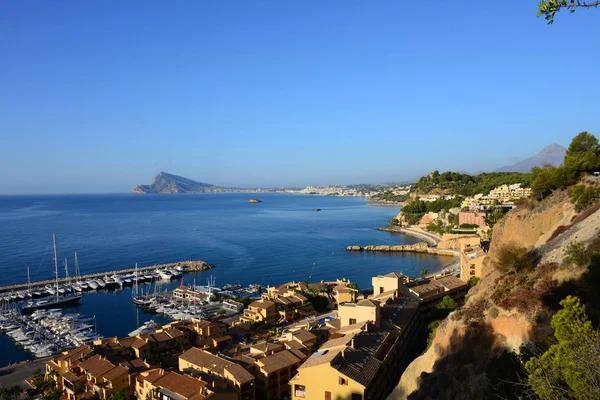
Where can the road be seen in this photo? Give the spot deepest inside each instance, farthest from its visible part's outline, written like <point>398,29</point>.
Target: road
<point>19,373</point>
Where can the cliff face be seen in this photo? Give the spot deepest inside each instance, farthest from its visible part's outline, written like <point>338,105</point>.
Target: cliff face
<point>168,183</point>
<point>492,321</point>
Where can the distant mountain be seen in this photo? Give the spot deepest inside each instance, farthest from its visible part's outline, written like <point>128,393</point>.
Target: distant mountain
<point>168,183</point>
<point>553,155</point>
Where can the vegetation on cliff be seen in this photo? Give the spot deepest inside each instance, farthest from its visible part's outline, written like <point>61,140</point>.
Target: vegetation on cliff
<point>583,156</point>
<point>468,185</point>
<point>416,209</point>
<point>529,328</point>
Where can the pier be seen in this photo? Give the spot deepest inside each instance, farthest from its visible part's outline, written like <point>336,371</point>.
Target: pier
<point>188,266</point>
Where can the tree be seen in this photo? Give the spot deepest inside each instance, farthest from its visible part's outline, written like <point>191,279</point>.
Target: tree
<point>120,395</point>
<point>16,391</point>
<point>570,368</point>
<point>548,8</point>
<point>52,394</point>
<point>424,272</point>
<point>447,304</point>
<point>575,254</point>
<point>583,153</point>
<point>3,393</point>
<point>512,258</point>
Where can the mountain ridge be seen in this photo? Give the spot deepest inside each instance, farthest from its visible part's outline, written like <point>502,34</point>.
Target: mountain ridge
<point>552,154</point>
<point>164,182</point>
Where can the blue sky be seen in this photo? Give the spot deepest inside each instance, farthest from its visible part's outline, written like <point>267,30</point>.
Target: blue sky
<point>98,96</point>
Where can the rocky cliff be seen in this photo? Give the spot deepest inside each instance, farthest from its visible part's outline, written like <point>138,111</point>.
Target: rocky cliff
<point>504,310</point>
<point>168,183</point>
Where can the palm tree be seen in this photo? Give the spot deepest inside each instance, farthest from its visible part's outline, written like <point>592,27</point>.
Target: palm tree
<point>3,393</point>
<point>16,391</point>
<point>424,273</point>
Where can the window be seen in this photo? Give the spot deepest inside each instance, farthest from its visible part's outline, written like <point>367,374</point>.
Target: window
<point>352,321</point>
<point>300,391</point>
<point>380,289</point>
<point>343,381</point>
<point>327,395</point>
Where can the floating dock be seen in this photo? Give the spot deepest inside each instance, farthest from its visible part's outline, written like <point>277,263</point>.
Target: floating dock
<point>188,266</point>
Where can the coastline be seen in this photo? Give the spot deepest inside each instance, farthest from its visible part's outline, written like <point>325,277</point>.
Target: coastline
<point>429,237</point>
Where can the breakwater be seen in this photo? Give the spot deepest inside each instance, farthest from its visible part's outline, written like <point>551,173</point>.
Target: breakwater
<point>406,248</point>
<point>188,266</point>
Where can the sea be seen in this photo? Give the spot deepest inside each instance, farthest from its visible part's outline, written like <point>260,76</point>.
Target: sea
<point>279,240</point>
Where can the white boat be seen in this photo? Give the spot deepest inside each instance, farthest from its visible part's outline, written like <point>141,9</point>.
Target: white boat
<point>165,274</point>
<point>147,327</point>
<point>101,283</point>
<point>92,284</point>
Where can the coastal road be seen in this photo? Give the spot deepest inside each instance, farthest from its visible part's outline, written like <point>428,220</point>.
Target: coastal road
<point>20,373</point>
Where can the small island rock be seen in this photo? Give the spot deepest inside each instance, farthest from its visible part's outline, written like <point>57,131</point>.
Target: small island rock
<point>254,201</point>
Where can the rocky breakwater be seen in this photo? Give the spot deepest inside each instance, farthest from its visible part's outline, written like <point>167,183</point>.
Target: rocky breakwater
<point>192,266</point>
<point>404,248</point>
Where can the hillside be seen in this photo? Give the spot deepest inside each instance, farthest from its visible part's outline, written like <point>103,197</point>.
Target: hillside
<point>550,155</point>
<point>477,350</point>
<point>463,184</point>
<point>168,183</point>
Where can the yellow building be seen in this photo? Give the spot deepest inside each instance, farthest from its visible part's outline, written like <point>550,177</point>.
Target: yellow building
<point>62,362</point>
<point>364,310</point>
<point>273,374</point>
<point>219,371</point>
<point>471,262</point>
<point>260,311</point>
<point>364,363</point>
<point>161,385</point>
<point>102,377</point>
<point>389,283</point>
<point>344,294</point>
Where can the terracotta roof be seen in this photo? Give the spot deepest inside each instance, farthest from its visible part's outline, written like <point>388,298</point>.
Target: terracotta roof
<point>366,303</point>
<point>262,304</point>
<point>75,354</point>
<point>277,361</point>
<point>71,377</point>
<point>394,275</point>
<point>115,373</point>
<point>182,385</point>
<point>135,365</point>
<point>96,366</point>
<point>304,336</point>
<point>300,296</point>
<point>342,289</point>
<point>174,332</point>
<point>352,328</point>
<point>218,365</point>
<point>321,357</point>
<point>451,282</point>
<point>267,347</point>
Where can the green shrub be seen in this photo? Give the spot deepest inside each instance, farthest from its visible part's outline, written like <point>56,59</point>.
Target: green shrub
<point>473,281</point>
<point>493,312</point>
<point>575,254</point>
<point>511,257</point>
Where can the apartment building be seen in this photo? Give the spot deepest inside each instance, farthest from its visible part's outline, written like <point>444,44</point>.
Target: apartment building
<point>273,374</point>
<point>471,262</point>
<point>223,374</point>
<point>158,384</point>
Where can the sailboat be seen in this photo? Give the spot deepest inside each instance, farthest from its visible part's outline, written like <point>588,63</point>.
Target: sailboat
<point>135,297</point>
<point>57,302</point>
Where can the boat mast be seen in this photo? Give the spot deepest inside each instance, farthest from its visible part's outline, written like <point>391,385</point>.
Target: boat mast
<point>66,272</point>
<point>135,292</point>
<point>28,281</point>
<point>77,272</point>
<point>55,263</point>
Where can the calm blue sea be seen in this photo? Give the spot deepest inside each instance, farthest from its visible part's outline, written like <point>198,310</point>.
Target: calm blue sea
<point>278,240</point>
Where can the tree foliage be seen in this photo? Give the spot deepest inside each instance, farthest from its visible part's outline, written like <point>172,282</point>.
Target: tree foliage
<point>584,196</point>
<point>570,368</point>
<point>512,258</point>
<point>447,304</point>
<point>549,8</point>
<point>582,156</point>
<point>468,185</point>
<point>575,254</point>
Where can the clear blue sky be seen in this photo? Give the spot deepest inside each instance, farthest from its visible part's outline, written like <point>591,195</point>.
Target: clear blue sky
<point>98,96</point>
